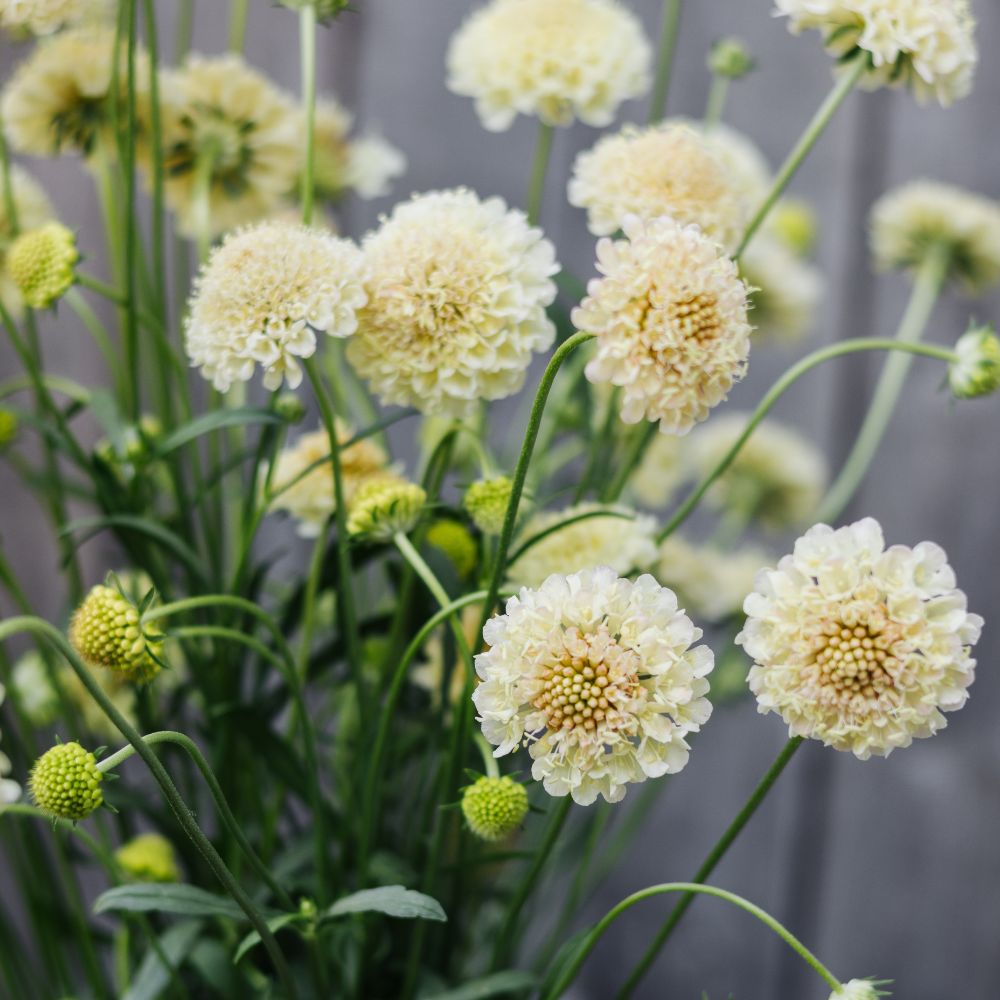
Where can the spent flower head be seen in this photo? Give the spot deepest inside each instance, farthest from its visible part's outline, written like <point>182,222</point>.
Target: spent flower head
<point>42,264</point>
<point>65,782</point>
<point>385,507</point>
<point>494,807</point>
<point>487,500</point>
<point>977,370</point>
<point>148,857</point>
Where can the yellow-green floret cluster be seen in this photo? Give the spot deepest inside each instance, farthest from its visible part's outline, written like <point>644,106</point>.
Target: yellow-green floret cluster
<point>486,501</point>
<point>65,782</point>
<point>494,807</point>
<point>385,507</point>
<point>456,542</point>
<point>148,858</point>
<point>41,263</point>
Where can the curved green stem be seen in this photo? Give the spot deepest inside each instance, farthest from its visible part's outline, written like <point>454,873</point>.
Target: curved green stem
<point>708,865</point>
<point>927,287</point>
<point>846,82</point>
<point>307,45</point>
<point>43,629</point>
<point>539,168</point>
<point>665,59</point>
<point>791,376</point>
<point>689,889</point>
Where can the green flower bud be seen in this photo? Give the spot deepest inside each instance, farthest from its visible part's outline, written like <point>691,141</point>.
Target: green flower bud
<point>65,782</point>
<point>384,507</point>
<point>41,263</point>
<point>290,408</point>
<point>977,370</point>
<point>494,807</point>
<point>730,58</point>
<point>456,542</point>
<point>8,428</point>
<point>107,631</point>
<point>794,223</point>
<point>486,501</point>
<point>148,858</point>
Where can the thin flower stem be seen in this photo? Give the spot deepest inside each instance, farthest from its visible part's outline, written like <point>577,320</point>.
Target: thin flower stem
<point>641,440</point>
<point>717,95</point>
<point>185,817</point>
<point>689,889</point>
<point>927,287</point>
<point>485,748</point>
<point>665,59</point>
<point>776,391</point>
<point>846,83</point>
<point>238,25</point>
<point>708,865</point>
<point>185,26</point>
<point>307,43</point>
<point>539,169</point>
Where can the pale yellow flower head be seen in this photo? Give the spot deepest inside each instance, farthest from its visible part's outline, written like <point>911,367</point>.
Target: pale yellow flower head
<point>609,535</point>
<point>32,209</point>
<point>457,291</point>
<point>670,317</point>
<point>786,290</point>
<point>926,46</point>
<point>669,169</point>
<point>43,17</point>
<point>264,295</point>
<point>42,264</point>
<point>860,646</point>
<point>220,109</point>
<point>555,59</point>
<point>148,857</point>
<point>308,495</point>
<point>385,507</point>
<point>909,221</point>
<point>597,677</point>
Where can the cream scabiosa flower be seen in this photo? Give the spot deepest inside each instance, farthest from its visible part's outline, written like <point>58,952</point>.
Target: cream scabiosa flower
<point>557,59</point>
<point>670,317</point>
<point>857,645</point>
<point>909,221</point>
<point>262,297</point>
<point>597,676</point>
<point>43,17</point>
<point>606,535</point>
<point>669,169</point>
<point>925,45</point>
<point>457,290</point>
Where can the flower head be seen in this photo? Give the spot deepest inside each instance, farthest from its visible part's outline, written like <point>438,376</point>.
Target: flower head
<point>42,262</point>
<point>223,116</point>
<point>977,371</point>
<point>264,294</point>
<point>924,45</point>
<point>557,59</point>
<point>494,807</point>
<point>785,290</point>
<point>302,483</point>
<point>857,645</point>
<point>107,631</point>
<point>66,782</point>
<point>148,858</point>
<point>730,58</point>
<point>909,222</point>
<point>670,317</point>
<point>32,210</point>
<point>385,507</point>
<point>487,500</point>
<point>457,290</point>
<point>596,676</point>
<point>793,223</point>
<point>456,542</point>
<point>43,17</point>
<point>860,989</point>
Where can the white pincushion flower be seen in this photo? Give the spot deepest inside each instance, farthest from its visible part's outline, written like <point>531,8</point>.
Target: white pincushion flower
<point>610,535</point>
<point>262,297</point>
<point>778,476</point>
<point>857,645</point>
<point>668,169</point>
<point>43,17</point>
<point>597,676</point>
<point>670,317</point>
<point>926,45</point>
<point>457,290</point>
<point>10,791</point>
<point>909,221</point>
<point>786,290</point>
<point>557,59</point>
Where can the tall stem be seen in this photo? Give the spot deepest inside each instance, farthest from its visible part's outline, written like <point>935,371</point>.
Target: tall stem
<point>665,58</point>
<point>238,25</point>
<point>307,44</point>
<point>929,282</point>
<point>844,85</point>
<point>717,99</point>
<point>539,169</point>
<point>708,865</point>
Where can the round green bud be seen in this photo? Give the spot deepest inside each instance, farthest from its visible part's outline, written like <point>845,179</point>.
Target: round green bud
<point>41,263</point>
<point>494,807</point>
<point>384,507</point>
<point>290,408</point>
<point>107,631</point>
<point>977,370</point>
<point>456,542</point>
<point>65,782</point>
<point>729,57</point>
<point>486,501</point>
<point>794,223</point>
<point>148,858</point>
<point>8,427</point>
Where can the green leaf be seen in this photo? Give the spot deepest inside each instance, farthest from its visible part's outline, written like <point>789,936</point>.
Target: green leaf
<point>253,938</point>
<point>392,900</point>
<point>495,985</point>
<point>152,977</point>
<point>214,421</point>
<point>183,900</point>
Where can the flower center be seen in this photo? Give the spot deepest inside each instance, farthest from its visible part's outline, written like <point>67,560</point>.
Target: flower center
<point>857,660</point>
<point>695,317</point>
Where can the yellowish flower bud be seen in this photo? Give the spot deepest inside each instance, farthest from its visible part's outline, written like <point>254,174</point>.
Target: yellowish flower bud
<point>794,223</point>
<point>494,807</point>
<point>41,264</point>
<point>148,858</point>
<point>290,408</point>
<point>729,57</point>
<point>456,542</point>
<point>486,501</point>
<point>384,507</point>
<point>65,782</point>
<point>977,370</point>
<point>8,428</point>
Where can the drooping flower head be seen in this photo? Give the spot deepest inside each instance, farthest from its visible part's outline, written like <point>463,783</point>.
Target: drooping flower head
<point>908,222</point>
<point>221,115</point>
<point>926,46</point>
<point>597,676</point>
<point>148,857</point>
<point>857,645</point>
<point>32,210</point>
<point>494,807</point>
<point>262,297</point>
<point>302,483</point>
<point>457,290</point>
<point>43,17</point>
<point>596,535</point>
<point>670,317</point>
<point>384,507</point>
<point>556,59</point>
<point>41,263</point>
<point>66,782</point>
